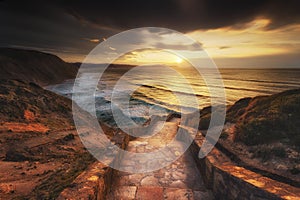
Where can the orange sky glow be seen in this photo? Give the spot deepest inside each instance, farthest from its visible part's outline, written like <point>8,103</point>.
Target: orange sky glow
<point>251,40</point>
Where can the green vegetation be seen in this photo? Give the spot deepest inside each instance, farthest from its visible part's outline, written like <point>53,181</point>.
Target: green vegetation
<point>295,171</point>
<point>267,152</point>
<point>205,116</point>
<point>269,119</point>
<point>224,135</point>
<point>263,119</point>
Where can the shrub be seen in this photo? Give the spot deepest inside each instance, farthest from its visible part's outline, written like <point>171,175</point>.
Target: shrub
<point>258,131</point>
<point>279,152</point>
<point>267,152</point>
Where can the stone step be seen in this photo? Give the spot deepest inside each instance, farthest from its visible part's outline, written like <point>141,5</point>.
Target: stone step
<point>157,193</point>
<point>185,194</point>
<point>178,180</point>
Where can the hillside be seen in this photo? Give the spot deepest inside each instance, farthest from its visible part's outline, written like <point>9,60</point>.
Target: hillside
<point>24,102</point>
<point>268,119</point>
<point>40,150</point>
<point>262,134</point>
<point>34,66</point>
<point>263,119</point>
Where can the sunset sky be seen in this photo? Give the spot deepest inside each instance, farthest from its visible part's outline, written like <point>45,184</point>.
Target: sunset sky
<point>234,33</point>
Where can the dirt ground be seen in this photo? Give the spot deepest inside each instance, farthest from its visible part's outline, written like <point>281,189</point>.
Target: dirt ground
<point>39,165</point>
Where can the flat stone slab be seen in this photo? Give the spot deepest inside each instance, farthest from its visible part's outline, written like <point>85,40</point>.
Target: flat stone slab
<point>149,193</point>
<point>178,194</point>
<point>124,193</point>
<point>150,180</point>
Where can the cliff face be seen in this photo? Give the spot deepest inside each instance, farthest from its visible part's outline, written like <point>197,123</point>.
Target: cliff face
<point>34,66</point>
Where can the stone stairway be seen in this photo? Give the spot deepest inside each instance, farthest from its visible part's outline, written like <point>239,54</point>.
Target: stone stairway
<point>179,180</point>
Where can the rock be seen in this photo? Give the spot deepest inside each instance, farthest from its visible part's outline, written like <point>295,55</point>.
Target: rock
<point>159,174</point>
<point>18,167</point>
<point>282,167</point>
<point>149,193</point>
<point>167,175</point>
<point>178,184</point>
<point>138,143</point>
<point>69,137</point>
<point>6,189</point>
<point>15,156</point>
<point>125,191</point>
<point>178,194</point>
<point>179,176</point>
<point>164,181</point>
<point>150,181</point>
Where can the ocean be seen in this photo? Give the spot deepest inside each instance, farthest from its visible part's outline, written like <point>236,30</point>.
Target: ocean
<point>153,90</point>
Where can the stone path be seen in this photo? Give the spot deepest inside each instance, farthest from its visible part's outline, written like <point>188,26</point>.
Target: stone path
<point>180,180</point>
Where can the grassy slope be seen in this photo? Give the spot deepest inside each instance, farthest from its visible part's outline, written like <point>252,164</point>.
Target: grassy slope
<point>264,119</point>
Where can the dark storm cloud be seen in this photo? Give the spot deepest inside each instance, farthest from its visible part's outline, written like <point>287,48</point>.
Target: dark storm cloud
<point>68,26</point>
<point>45,26</point>
<point>182,15</point>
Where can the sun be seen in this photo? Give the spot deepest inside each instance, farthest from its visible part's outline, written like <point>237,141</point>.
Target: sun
<point>178,60</point>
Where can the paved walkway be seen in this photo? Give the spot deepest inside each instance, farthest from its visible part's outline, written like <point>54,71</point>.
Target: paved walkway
<point>180,180</point>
